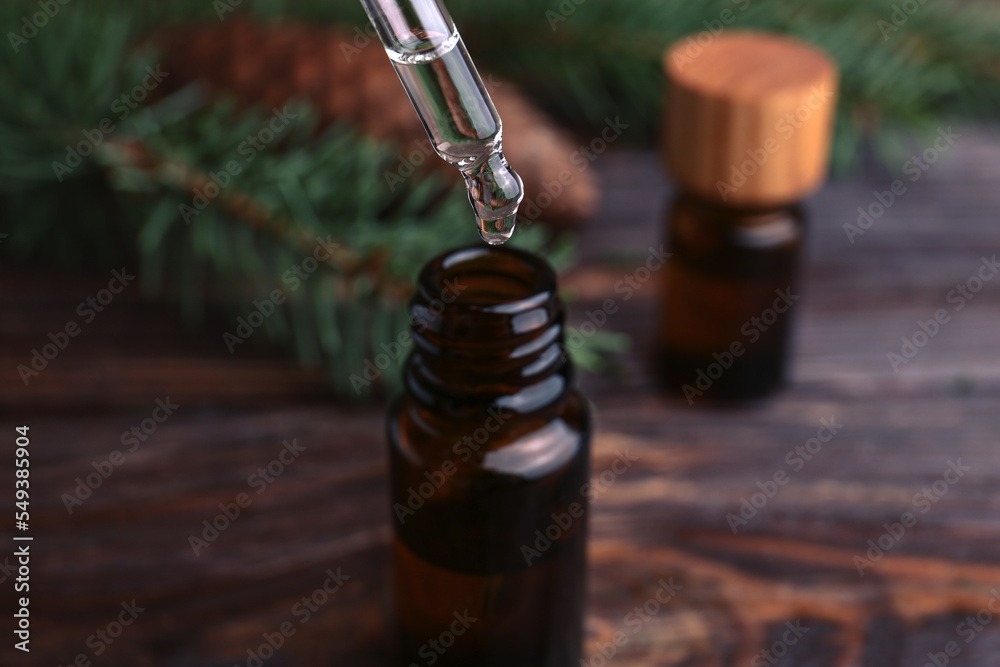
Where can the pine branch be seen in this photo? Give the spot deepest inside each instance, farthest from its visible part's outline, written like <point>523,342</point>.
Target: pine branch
<point>126,200</point>
<point>135,156</point>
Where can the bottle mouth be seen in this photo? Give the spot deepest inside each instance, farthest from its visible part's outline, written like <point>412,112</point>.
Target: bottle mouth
<point>478,294</point>
<point>488,329</point>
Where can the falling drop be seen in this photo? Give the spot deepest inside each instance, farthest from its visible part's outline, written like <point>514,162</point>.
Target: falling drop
<point>495,190</point>
<point>497,232</point>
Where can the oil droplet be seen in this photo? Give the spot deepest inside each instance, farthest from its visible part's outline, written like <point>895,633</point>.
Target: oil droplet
<point>497,232</point>
<point>495,190</point>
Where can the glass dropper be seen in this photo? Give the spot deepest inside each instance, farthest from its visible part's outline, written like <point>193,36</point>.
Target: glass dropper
<point>435,69</point>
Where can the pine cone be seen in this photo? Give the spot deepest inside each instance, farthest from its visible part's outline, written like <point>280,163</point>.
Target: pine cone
<point>348,77</point>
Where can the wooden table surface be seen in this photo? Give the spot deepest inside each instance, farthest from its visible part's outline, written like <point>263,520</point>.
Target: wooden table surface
<point>786,583</point>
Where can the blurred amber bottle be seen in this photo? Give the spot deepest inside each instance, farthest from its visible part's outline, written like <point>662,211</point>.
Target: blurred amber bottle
<point>747,133</point>
<point>489,459</point>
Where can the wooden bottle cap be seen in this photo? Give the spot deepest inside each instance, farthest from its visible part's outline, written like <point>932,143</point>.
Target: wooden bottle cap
<point>749,117</point>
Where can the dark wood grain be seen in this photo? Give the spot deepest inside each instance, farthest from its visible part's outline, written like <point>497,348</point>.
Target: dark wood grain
<point>665,517</point>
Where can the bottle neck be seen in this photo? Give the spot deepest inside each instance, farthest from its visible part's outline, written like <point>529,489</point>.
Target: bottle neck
<point>488,332</point>
<point>698,222</point>
<point>738,216</point>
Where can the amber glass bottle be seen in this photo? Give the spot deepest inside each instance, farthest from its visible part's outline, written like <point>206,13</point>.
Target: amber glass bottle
<point>730,293</point>
<point>748,127</point>
<point>489,455</point>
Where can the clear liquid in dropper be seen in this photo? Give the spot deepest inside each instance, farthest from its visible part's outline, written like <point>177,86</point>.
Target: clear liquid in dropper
<point>464,127</point>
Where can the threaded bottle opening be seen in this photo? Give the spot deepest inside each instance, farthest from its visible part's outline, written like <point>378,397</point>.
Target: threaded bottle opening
<point>488,328</point>
<point>480,294</point>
